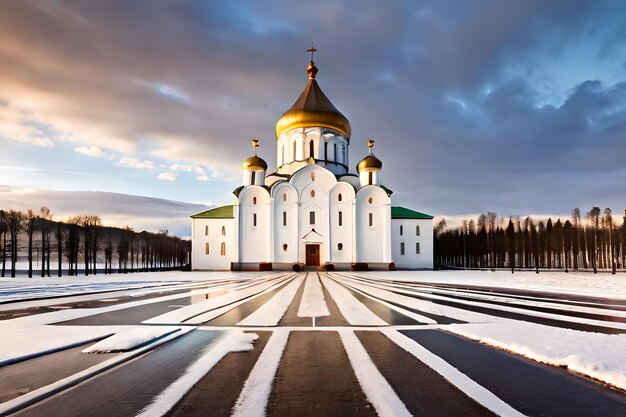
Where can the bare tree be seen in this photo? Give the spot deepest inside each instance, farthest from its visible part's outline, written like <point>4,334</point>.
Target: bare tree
<point>29,226</point>
<point>594,216</point>
<point>44,225</point>
<point>4,229</point>
<point>14,225</point>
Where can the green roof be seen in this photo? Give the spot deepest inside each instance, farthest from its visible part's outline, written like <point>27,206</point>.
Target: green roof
<point>223,212</point>
<point>405,213</point>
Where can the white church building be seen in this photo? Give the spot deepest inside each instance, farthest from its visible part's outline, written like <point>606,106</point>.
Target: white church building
<point>311,211</point>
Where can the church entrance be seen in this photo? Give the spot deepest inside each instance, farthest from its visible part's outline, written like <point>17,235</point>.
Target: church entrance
<point>312,255</point>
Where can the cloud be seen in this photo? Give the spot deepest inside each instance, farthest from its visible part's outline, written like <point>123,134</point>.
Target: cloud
<point>167,176</point>
<point>497,105</point>
<point>132,162</point>
<point>92,151</point>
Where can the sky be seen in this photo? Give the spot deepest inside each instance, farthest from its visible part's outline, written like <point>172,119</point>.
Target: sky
<point>143,111</point>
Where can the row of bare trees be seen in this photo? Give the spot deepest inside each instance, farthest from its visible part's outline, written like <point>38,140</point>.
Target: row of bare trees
<point>83,240</point>
<point>595,241</point>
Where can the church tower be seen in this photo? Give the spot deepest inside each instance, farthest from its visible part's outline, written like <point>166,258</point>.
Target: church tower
<point>312,131</point>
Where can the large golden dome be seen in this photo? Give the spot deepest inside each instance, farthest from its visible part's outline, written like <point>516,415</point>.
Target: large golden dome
<point>313,109</point>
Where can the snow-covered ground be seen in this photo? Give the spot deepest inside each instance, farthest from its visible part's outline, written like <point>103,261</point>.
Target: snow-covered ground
<point>583,283</point>
<point>599,356</point>
<point>23,288</point>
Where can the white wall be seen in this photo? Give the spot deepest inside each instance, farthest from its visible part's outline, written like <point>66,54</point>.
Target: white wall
<point>325,154</point>
<point>285,235</point>
<point>254,241</point>
<point>341,234</point>
<point>373,243</point>
<point>411,259</point>
<point>214,260</point>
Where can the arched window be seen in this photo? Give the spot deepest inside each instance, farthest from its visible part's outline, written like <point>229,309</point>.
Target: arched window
<point>294,150</point>
<point>206,230</point>
<point>339,246</point>
<point>223,249</point>
<point>370,178</point>
<point>335,151</point>
<point>252,177</point>
<point>284,218</point>
<point>339,197</point>
<point>343,154</point>
<point>325,151</point>
<point>284,196</point>
<point>311,149</point>
<point>401,230</point>
<point>206,248</point>
<point>417,230</point>
<point>254,200</point>
<point>223,230</point>
<point>254,219</point>
<point>285,247</point>
<point>371,219</point>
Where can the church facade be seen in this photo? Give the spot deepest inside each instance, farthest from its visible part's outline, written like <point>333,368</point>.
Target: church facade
<point>311,211</point>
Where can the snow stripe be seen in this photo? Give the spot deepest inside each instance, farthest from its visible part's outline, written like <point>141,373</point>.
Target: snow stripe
<point>232,341</point>
<point>471,388</point>
<point>125,341</point>
<point>374,385</point>
<point>255,394</point>
<point>353,310</point>
<point>313,303</point>
<point>272,311</point>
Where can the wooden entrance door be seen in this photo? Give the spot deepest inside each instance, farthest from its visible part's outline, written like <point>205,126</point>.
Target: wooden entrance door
<point>312,255</point>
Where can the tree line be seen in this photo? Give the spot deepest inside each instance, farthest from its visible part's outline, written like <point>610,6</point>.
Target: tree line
<point>83,242</point>
<point>593,241</point>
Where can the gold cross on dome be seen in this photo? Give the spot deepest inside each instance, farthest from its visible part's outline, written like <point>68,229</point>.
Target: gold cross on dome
<point>312,50</point>
<point>370,143</point>
<point>255,145</point>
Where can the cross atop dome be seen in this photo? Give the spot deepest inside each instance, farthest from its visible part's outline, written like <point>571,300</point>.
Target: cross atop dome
<point>312,50</point>
<point>255,145</point>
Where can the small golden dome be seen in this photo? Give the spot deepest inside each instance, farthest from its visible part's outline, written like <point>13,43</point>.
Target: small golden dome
<point>313,109</point>
<point>254,163</point>
<point>369,163</point>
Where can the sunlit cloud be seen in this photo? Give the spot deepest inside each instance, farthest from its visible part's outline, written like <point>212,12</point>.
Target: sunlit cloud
<point>92,151</point>
<point>167,176</point>
<point>132,162</point>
